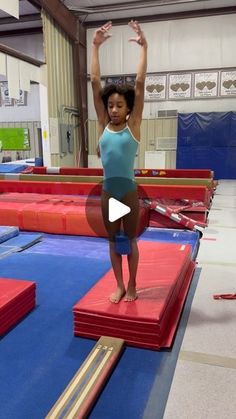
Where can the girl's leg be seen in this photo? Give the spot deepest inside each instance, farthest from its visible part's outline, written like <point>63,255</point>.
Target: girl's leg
<point>116,259</point>
<point>130,223</point>
<point>133,258</point>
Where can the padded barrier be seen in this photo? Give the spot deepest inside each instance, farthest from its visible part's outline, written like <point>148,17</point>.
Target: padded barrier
<point>164,275</point>
<point>17,298</point>
<point>79,396</point>
<point>197,193</point>
<point>60,215</point>
<point>208,139</point>
<point>80,171</point>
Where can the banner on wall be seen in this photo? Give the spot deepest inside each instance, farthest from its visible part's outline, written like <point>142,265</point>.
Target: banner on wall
<point>186,85</point>
<point>130,80</point>
<point>228,83</point>
<point>180,86</point>
<point>114,80</point>
<point>120,80</point>
<point>206,84</point>
<point>155,87</point>
<point>22,101</point>
<point>5,99</point>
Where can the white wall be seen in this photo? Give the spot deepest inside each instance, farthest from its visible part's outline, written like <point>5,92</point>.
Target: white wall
<point>183,44</point>
<point>185,106</point>
<point>175,45</point>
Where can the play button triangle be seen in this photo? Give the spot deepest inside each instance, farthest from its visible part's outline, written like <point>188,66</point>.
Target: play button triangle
<point>116,210</point>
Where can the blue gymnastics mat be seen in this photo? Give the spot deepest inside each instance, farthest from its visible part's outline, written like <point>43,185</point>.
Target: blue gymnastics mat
<point>23,240</point>
<point>50,355</point>
<point>12,168</point>
<point>6,250</point>
<point>7,233</point>
<point>19,243</point>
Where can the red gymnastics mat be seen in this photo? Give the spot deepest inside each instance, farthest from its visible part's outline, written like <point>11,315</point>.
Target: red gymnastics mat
<point>17,298</point>
<point>164,275</point>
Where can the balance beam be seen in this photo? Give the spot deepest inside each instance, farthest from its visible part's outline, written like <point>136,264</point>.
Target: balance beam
<point>99,179</point>
<point>82,391</point>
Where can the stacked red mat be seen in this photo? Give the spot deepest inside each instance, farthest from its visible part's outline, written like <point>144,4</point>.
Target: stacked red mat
<point>164,275</point>
<point>17,298</point>
<point>77,215</point>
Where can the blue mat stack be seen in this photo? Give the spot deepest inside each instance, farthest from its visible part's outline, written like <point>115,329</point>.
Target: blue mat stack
<point>11,240</point>
<point>12,168</point>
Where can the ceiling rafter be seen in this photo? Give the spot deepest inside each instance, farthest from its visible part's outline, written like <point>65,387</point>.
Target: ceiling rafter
<point>25,18</point>
<point>129,6</point>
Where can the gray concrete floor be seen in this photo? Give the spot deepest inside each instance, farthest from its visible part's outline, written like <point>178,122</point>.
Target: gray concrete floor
<point>204,383</point>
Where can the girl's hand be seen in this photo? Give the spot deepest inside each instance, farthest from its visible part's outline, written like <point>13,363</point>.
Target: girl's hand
<point>101,34</point>
<point>140,38</point>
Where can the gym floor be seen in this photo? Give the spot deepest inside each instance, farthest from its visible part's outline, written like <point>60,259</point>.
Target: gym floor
<point>194,379</point>
<point>204,382</point>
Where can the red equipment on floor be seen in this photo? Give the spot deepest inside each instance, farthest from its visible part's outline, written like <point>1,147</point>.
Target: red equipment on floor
<point>164,275</point>
<point>177,217</point>
<point>17,298</point>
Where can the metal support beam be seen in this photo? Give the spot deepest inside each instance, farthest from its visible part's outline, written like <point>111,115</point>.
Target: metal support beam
<point>61,14</point>
<point>80,71</point>
<point>20,55</point>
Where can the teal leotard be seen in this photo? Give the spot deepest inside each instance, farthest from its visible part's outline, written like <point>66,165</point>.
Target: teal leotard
<point>118,150</point>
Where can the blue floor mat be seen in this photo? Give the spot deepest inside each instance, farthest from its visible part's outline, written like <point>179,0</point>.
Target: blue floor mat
<point>81,246</point>
<point>7,233</point>
<point>23,240</point>
<point>7,250</point>
<point>18,243</point>
<point>40,355</point>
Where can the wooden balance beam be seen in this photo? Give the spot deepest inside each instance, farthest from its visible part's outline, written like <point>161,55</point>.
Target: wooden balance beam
<point>82,391</point>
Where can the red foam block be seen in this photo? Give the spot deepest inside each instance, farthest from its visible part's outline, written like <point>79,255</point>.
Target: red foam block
<point>164,274</point>
<point>17,298</point>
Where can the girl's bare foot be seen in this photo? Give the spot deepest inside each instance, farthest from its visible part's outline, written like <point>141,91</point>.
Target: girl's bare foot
<point>117,295</point>
<point>131,293</point>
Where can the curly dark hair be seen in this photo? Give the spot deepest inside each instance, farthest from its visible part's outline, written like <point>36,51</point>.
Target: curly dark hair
<point>125,89</point>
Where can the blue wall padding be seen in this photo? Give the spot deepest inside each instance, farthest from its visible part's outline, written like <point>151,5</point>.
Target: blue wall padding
<point>7,233</point>
<point>207,140</point>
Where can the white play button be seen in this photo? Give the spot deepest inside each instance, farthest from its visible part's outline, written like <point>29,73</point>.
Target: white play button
<point>116,210</point>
